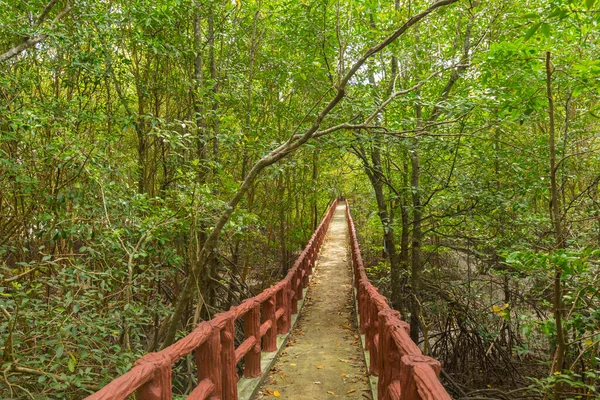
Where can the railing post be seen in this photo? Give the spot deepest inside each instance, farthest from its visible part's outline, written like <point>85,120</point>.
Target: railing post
<point>288,293</point>
<point>389,360</point>
<point>159,388</point>
<point>208,361</point>
<point>283,303</point>
<point>296,290</point>
<point>306,269</point>
<point>270,339</point>
<point>408,383</point>
<point>300,287</point>
<point>228,360</point>
<point>252,328</point>
<point>362,300</point>
<point>372,338</point>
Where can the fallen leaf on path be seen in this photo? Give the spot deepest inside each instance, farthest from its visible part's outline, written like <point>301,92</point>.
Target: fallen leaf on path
<point>282,376</point>
<point>344,361</point>
<point>343,374</point>
<point>319,366</point>
<point>351,391</point>
<point>277,394</point>
<point>292,364</point>
<point>317,383</point>
<point>330,392</point>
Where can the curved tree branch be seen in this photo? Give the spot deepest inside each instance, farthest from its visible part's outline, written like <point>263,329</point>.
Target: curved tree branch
<point>291,145</point>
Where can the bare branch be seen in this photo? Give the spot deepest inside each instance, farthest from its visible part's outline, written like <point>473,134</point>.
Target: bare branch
<point>45,13</point>
<point>393,96</point>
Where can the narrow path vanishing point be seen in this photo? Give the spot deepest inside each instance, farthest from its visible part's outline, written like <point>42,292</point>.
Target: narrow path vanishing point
<point>323,358</point>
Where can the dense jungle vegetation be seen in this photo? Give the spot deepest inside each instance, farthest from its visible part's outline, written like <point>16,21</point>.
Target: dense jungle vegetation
<point>162,160</point>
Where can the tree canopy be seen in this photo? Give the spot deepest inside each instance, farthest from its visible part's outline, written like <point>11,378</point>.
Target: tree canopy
<point>162,160</point>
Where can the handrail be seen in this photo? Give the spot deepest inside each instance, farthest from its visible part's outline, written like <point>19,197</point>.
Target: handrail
<point>265,316</point>
<point>404,373</point>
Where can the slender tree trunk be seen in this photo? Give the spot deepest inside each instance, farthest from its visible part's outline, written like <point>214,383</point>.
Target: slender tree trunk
<point>251,56</point>
<point>415,266</point>
<point>556,218</point>
<point>282,224</point>
<point>404,260</point>
<point>215,122</point>
<point>142,149</point>
<point>375,175</point>
<point>196,95</point>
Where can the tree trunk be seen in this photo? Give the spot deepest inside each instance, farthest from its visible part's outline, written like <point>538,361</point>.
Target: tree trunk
<point>290,146</point>
<point>556,218</point>
<point>415,266</point>
<point>197,97</point>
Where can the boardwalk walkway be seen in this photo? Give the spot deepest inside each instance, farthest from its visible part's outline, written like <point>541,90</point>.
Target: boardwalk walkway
<point>324,358</point>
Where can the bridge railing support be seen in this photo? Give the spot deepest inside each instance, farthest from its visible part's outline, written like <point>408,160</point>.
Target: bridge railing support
<point>404,373</point>
<point>264,316</point>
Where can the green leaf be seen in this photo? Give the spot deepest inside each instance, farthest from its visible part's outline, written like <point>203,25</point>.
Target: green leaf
<point>589,3</point>
<point>546,29</point>
<point>59,351</point>
<point>532,31</point>
<point>71,365</point>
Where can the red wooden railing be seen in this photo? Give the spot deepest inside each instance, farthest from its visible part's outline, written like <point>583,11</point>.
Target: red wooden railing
<point>404,372</point>
<point>264,316</point>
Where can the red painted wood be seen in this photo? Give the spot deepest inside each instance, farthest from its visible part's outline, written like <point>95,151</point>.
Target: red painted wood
<point>126,384</point>
<point>281,299</point>
<point>159,387</point>
<point>208,361</point>
<point>252,331</point>
<point>213,341</point>
<point>270,339</point>
<point>419,378</point>
<point>287,293</point>
<point>244,348</point>
<point>202,391</point>
<point>228,361</point>
<point>394,390</point>
<point>306,271</point>
<point>404,373</point>
<point>294,284</point>
<point>264,328</point>
<point>389,362</point>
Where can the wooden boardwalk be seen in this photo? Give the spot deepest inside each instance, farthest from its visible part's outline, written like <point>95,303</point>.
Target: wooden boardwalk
<point>323,357</point>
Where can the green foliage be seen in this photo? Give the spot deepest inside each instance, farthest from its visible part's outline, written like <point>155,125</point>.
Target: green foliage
<point>117,156</point>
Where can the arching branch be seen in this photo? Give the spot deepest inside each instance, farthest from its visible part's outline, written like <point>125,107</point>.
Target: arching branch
<point>290,146</point>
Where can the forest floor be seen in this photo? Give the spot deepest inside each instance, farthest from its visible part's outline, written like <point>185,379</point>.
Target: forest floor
<point>323,357</point>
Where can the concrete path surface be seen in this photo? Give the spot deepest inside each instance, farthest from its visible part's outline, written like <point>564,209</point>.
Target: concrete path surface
<point>323,358</point>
